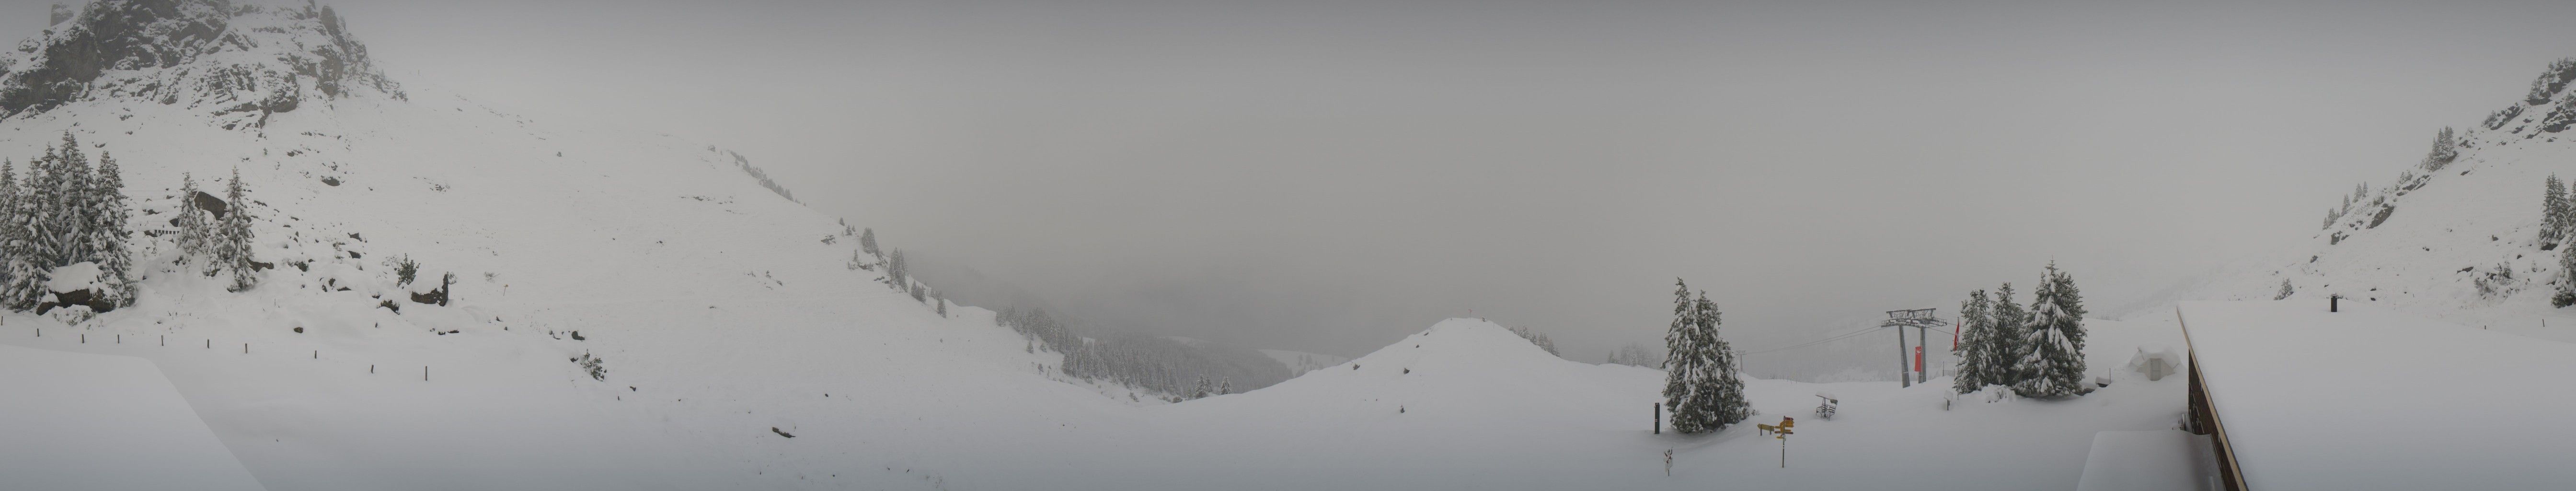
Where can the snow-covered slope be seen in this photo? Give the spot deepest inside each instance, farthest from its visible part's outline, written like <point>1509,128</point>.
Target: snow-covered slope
<point>1468,405</point>
<point>721,308</point>
<point>740,352</point>
<point>2423,242</point>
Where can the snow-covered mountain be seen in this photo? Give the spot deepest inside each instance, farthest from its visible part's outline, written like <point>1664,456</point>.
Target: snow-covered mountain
<point>737,346</point>
<point>721,308</point>
<point>2457,240</point>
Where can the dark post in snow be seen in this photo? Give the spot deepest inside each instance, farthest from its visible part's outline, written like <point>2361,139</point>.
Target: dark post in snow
<point>1901,379</point>
<point>1921,333</point>
<point>2334,303</point>
<point>1659,418</point>
<point>1922,320</point>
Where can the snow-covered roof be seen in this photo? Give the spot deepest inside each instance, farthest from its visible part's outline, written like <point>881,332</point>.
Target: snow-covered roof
<point>2154,460</point>
<point>2372,399</point>
<point>91,421</point>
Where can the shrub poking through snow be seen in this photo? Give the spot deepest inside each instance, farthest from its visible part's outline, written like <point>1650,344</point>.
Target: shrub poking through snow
<point>405,270</point>
<point>590,364</point>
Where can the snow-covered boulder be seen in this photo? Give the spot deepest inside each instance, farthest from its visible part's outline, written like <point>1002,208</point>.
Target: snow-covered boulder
<point>75,285</point>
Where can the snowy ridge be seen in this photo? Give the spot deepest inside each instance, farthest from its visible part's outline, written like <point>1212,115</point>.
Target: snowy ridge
<point>2427,242</point>
<point>237,62</point>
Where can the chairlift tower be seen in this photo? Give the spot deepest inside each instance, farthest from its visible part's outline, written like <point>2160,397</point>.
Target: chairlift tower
<point>1922,321</point>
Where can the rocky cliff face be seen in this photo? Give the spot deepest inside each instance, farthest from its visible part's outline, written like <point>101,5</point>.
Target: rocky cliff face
<point>239,63</point>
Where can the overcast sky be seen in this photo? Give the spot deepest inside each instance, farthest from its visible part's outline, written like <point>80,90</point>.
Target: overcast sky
<point>1332,175</point>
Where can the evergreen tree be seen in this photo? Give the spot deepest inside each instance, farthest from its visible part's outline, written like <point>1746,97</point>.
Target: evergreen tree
<point>2069,298</point>
<point>2009,327</point>
<point>2566,294</point>
<point>2553,211</point>
<point>868,243</point>
<point>233,236</point>
<point>2285,290</point>
<point>2566,223</point>
<point>898,271</point>
<point>1701,387</point>
<point>108,234</point>
<point>2054,364</point>
<point>26,276</point>
<point>45,227</point>
<point>2445,149</point>
<point>194,230</point>
<point>12,252</point>
<point>1732,407</point>
<point>1681,342</point>
<point>1976,343</point>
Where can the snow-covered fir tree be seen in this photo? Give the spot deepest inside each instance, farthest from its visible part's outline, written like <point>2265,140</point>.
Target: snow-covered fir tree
<point>72,213</point>
<point>195,231</point>
<point>2553,211</point>
<point>16,262</point>
<point>1976,343</point>
<point>1701,387</point>
<point>2069,297</point>
<point>898,271</point>
<point>2054,364</point>
<point>868,243</point>
<point>2566,294</point>
<point>2445,149</point>
<point>233,236</point>
<point>2010,328</point>
<point>108,235</point>
<point>2566,223</point>
<point>1732,406</point>
<point>2285,290</point>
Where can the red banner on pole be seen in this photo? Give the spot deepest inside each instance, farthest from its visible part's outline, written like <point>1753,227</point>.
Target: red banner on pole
<point>1918,359</point>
